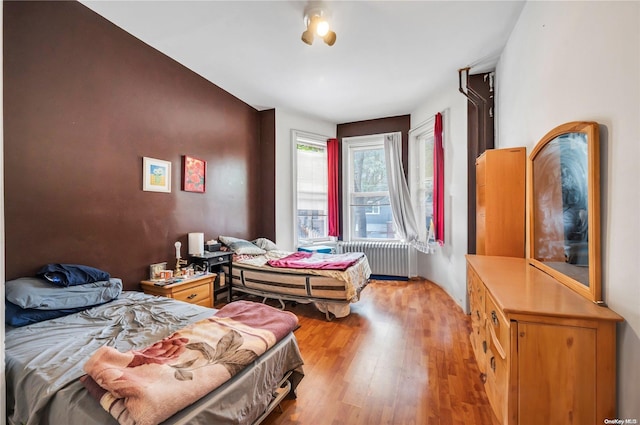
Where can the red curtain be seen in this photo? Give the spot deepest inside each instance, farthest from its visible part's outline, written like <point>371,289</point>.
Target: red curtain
<point>334,212</point>
<point>438,187</point>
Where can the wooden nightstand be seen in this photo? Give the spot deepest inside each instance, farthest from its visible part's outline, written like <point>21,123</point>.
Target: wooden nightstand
<point>194,290</point>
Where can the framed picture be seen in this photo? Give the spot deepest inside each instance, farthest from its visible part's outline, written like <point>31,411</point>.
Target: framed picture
<point>155,269</point>
<point>194,174</point>
<point>156,175</point>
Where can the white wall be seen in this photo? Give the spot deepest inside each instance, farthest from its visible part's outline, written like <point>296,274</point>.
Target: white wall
<point>447,267</point>
<point>285,122</point>
<point>580,61</point>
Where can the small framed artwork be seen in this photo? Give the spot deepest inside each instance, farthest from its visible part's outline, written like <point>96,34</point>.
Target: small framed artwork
<point>156,175</point>
<point>195,172</point>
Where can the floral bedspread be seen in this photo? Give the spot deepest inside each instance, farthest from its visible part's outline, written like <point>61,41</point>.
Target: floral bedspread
<point>147,386</point>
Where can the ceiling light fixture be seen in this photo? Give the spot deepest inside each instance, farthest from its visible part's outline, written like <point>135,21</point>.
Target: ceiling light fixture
<point>316,22</point>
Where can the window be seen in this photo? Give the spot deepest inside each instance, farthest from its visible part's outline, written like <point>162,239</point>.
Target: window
<point>366,207</point>
<point>311,198</point>
<point>421,176</point>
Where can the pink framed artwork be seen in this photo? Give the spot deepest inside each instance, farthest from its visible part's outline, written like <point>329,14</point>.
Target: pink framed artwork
<point>194,174</point>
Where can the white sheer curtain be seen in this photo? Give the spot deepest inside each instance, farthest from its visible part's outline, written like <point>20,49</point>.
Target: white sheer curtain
<point>403,213</point>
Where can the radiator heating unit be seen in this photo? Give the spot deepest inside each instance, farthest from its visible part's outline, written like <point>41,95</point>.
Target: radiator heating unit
<point>391,259</point>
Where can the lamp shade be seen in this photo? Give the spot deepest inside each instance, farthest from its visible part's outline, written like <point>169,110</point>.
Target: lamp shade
<point>196,243</point>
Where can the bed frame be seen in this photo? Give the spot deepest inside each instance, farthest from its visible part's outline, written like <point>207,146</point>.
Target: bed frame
<point>330,295</point>
<point>34,351</point>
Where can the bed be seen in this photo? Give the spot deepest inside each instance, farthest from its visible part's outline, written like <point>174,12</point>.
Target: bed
<point>46,362</point>
<point>331,290</point>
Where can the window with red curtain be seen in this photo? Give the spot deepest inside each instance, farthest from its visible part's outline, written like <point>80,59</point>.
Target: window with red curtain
<point>426,172</point>
<point>333,170</point>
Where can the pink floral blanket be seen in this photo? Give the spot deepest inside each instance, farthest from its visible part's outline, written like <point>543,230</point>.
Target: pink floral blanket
<point>132,386</point>
<point>318,261</point>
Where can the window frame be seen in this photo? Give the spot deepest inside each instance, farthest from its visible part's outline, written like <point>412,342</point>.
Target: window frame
<point>350,145</point>
<point>417,136</point>
<point>312,139</point>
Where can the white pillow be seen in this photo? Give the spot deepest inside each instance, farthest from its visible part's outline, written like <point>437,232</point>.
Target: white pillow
<point>265,244</point>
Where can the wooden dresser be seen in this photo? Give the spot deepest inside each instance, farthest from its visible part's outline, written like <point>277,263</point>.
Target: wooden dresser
<point>195,290</point>
<point>546,354</point>
<point>500,202</point>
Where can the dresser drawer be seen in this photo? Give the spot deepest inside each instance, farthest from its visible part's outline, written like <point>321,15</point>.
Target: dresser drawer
<point>194,294</point>
<point>196,290</point>
<point>498,326</point>
<point>497,383</point>
<point>476,292</point>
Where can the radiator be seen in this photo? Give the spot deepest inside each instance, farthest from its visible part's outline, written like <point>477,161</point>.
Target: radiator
<point>385,258</point>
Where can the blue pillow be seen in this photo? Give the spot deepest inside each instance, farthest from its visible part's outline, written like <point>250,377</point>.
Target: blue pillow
<point>16,316</point>
<point>38,293</point>
<point>72,274</point>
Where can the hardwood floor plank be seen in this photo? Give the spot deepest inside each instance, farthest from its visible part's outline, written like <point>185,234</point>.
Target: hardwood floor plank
<point>401,357</point>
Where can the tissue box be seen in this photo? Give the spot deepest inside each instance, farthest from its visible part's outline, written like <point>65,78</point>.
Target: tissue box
<point>212,247</point>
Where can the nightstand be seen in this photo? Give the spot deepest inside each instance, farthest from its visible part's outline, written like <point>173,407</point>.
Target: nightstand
<point>213,262</point>
<point>194,290</point>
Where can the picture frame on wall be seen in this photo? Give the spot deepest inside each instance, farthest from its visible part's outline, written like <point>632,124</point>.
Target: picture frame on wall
<point>194,174</point>
<point>156,175</point>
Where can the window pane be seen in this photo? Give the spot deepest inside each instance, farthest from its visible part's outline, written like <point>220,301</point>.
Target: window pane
<point>367,197</point>
<point>369,171</point>
<point>312,191</point>
<point>311,225</point>
<point>427,181</point>
<point>365,225</point>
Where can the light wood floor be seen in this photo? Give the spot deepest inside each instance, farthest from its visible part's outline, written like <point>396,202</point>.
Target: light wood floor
<point>402,357</point>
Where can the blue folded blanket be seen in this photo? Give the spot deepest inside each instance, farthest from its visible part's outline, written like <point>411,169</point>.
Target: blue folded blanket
<point>72,274</point>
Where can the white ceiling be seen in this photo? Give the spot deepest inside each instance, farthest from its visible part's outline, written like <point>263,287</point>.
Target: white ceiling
<point>388,58</point>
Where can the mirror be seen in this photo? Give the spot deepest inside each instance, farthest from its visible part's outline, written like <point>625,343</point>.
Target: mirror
<point>564,207</point>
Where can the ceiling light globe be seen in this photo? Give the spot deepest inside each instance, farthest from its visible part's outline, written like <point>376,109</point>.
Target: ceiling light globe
<point>322,28</point>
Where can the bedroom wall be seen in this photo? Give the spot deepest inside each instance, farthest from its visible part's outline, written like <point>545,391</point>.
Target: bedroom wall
<point>287,121</point>
<point>447,266</point>
<point>84,102</point>
<point>592,75</point>
<point>267,191</point>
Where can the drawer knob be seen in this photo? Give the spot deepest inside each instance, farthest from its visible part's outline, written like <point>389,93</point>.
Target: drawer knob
<point>192,296</point>
<point>494,318</point>
<point>492,362</point>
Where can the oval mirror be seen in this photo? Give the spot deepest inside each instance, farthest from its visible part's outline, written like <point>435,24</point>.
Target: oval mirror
<point>564,207</point>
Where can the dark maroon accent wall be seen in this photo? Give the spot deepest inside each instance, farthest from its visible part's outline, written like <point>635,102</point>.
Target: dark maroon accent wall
<point>267,209</point>
<point>84,102</point>
<point>401,123</point>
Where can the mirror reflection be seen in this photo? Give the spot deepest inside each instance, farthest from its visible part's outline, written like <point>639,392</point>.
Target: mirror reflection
<point>561,200</point>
